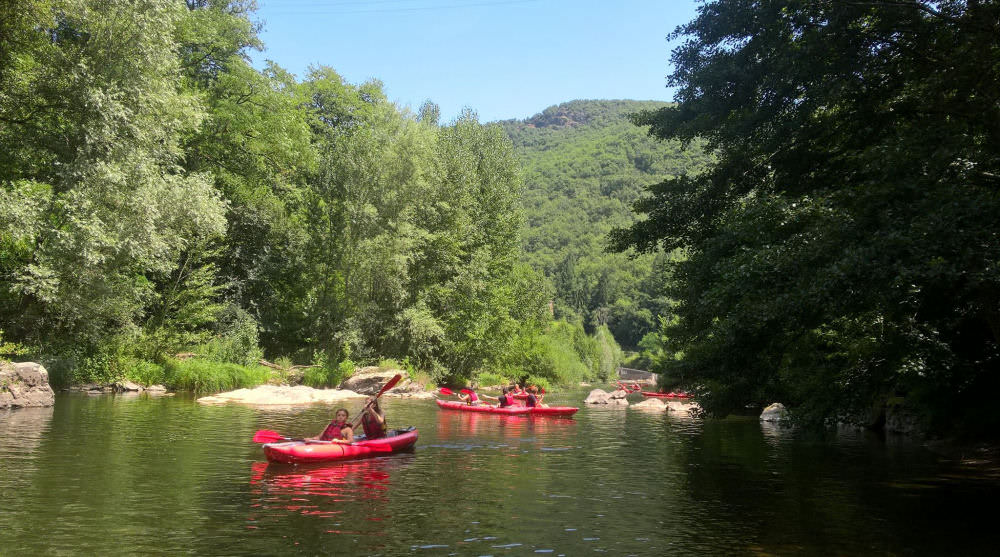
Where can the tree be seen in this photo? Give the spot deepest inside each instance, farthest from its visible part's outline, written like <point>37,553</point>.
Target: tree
<point>94,111</point>
<point>842,246</point>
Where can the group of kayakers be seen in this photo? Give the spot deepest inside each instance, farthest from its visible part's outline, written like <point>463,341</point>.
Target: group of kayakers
<point>508,397</point>
<point>341,430</point>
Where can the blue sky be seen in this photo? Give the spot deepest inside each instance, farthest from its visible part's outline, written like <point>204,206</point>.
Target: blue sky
<point>503,58</point>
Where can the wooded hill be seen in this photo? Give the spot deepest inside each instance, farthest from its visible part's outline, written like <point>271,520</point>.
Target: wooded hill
<point>585,164</point>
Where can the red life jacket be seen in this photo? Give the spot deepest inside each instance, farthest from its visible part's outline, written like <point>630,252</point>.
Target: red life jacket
<point>334,431</point>
<point>506,400</point>
<point>373,429</point>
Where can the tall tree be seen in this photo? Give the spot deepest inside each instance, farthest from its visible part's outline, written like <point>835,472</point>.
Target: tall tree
<point>843,245</point>
<point>92,116</point>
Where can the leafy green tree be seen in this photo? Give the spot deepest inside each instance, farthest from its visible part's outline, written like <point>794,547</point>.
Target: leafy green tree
<point>841,246</point>
<point>94,105</point>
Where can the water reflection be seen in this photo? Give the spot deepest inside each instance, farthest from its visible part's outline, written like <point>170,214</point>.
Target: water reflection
<point>351,492</point>
<point>23,429</point>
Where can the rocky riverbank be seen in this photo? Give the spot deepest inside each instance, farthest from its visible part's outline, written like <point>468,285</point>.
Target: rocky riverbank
<point>24,385</point>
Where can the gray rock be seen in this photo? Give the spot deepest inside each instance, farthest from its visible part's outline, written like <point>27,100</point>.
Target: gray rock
<point>369,380</point>
<point>156,389</point>
<point>597,396</point>
<point>126,387</point>
<point>650,405</point>
<point>774,413</point>
<point>24,385</point>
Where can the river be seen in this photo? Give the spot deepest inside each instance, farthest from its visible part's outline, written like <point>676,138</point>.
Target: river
<point>109,474</point>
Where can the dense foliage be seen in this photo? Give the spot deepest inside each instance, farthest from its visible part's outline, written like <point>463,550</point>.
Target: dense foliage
<point>843,246</point>
<point>585,165</point>
<point>159,195</point>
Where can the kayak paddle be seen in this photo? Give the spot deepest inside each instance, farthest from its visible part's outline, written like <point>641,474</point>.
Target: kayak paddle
<point>446,391</point>
<point>268,436</point>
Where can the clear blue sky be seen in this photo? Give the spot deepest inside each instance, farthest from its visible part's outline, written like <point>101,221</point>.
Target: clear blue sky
<point>503,58</point>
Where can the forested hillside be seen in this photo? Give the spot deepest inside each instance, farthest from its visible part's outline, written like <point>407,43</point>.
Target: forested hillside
<point>585,164</point>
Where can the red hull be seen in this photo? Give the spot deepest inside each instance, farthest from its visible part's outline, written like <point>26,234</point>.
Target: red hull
<point>298,452</point>
<point>509,410</point>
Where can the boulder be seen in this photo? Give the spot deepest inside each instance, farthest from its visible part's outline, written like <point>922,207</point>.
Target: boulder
<point>156,389</point>
<point>650,405</point>
<point>599,396</point>
<point>24,385</point>
<point>126,387</point>
<point>684,408</point>
<point>369,380</point>
<point>774,413</point>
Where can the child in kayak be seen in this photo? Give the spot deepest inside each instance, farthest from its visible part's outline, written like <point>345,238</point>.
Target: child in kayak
<point>339,430</point>
<point>373,420</point>
<point>505,399</point>
<point>469,397</point>
<point>534,399</point>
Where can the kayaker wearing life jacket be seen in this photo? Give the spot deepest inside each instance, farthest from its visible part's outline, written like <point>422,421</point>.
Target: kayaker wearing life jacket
<point>373,420</point>
<point>534,399</point>
<point>471,398</point>
<point>339,430</point>
<point>505,399</point>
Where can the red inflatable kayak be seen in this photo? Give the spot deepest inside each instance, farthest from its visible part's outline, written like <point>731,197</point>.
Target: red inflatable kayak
<point>297,452</point>
<point>666,395</point>
<point>509,410</point>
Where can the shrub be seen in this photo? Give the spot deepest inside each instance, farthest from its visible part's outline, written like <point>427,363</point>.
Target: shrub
<point>145,373</point>
<point>328,376</point>
<point>490,379</point>
<point>203,375</point>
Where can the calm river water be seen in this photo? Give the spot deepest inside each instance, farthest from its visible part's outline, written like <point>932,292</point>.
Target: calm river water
<point>108,474</point>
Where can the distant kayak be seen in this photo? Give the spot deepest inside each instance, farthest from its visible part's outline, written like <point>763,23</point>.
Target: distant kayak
<point>297,452</point>
<point>509,410</point>
<point>665,395</point>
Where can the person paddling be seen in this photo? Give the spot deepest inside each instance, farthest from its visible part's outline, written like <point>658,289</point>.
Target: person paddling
<point>505,399</point>
<point>534,399</point>
<point>469,397</point>
<point>339,430</point>
<point>373,420</point>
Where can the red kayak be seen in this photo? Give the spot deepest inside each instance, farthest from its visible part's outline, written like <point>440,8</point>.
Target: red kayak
<point>297,452</point>
<point>508,410</point>
<point>666,395</point>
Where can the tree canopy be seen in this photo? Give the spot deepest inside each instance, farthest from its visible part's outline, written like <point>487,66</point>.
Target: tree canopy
<point>843,243</point>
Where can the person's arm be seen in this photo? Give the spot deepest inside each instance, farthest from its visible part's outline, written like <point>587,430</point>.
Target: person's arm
<point>348,434</point>
<point>377,414</point>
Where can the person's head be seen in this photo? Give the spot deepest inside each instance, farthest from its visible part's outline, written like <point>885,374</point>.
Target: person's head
<point>533,390</point>
<point>505,390</point>
<point>341,414</point>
